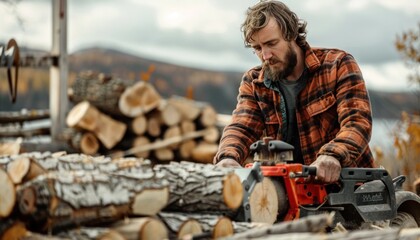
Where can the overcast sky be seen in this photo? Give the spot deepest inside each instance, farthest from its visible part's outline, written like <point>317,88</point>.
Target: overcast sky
<point>206,33</point>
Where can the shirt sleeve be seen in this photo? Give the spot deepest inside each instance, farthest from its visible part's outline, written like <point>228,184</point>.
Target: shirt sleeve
<point>246,126</point>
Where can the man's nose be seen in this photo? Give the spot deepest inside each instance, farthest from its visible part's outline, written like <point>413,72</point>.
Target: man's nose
<point>266,54</point>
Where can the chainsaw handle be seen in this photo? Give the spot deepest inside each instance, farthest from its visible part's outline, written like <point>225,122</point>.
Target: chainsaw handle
<point>309,170</point>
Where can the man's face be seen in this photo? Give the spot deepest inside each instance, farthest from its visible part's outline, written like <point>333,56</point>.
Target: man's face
<point>277,55</point>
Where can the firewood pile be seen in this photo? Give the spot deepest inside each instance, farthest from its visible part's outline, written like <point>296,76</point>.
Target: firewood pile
<point>113,116</point>
<point>77,196</point>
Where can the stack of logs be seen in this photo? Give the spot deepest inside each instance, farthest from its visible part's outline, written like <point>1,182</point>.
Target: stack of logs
<point>76,196</point>
<point>113,116</point>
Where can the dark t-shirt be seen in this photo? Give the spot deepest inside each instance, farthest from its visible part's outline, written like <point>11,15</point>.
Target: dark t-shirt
<point>290,91</point>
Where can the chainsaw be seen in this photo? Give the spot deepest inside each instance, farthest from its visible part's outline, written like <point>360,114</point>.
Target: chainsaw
<point>361,196</point>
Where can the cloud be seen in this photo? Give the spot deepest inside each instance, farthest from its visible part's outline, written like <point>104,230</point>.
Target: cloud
<point>206,33</point>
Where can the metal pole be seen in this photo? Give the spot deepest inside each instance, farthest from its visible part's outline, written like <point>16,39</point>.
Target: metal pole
<point>59,68</point>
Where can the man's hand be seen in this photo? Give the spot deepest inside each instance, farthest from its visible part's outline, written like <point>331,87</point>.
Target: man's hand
<point>328,169</point>
<point>228,162</point>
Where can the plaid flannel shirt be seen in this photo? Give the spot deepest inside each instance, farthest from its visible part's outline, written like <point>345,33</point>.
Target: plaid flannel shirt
<point>333,112</point>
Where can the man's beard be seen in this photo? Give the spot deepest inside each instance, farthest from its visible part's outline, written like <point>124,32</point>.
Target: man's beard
<point>275,73</point>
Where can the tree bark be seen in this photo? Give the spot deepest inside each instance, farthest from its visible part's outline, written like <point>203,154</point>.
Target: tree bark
<point>312,224</point>
<point>62,199</point>
<point>201,187</point>
<point>180,225</point>
<point>100,92</point>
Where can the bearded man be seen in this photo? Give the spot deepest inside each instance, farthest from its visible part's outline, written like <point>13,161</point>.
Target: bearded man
<point>312,98</point>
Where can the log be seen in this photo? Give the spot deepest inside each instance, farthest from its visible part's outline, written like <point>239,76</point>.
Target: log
<point>180,225</point>
<point>139,142</point>
<point>187,126</point>
<point>101,91</point>
<point>164,143</point>
<point>86,116</point>
<point>189,109</point>
<point>263,202</point>
<point>153,126</point>
<point>203,113</point>
<point>215,226</point>
<point>208,116</point>
<point>25,132</point>
<point>240,227</point>
<point>139,125</point>
<point>24,116</point>
<point>7,194</point>
<point>97,233</point>
<point>312,224</point>
<point>204,152</point>
<point>62,199</point>
<point>85,142</point>
<point>139,99</point>
<point>11,229</point>
<point>10,148</point>
<point>212,136</point>
<point>141,228</point>
<point>171,132</point>
<point>383,234</point>
<point>201,187</point>
<point>416,186</point>
<point>186,148</point>
<point>21,168</point>
<point>166,113</point>
<point>164,154</point>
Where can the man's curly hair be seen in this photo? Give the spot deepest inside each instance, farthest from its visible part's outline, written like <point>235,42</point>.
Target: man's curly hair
<point>258,16</point>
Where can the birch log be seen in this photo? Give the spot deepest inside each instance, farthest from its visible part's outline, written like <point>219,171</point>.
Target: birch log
<point>201,187</point>
<point>180,225</point>
<point>88,117</point>
<point>313,224</point>
<point>62,199</point>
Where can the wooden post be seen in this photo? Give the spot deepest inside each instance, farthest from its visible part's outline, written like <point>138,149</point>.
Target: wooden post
<point>59,68</point>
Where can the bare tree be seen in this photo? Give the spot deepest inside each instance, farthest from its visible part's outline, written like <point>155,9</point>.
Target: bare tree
<point>408,44</point>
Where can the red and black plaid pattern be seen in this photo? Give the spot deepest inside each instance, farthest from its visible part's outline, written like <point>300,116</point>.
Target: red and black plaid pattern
<point>333,112</point>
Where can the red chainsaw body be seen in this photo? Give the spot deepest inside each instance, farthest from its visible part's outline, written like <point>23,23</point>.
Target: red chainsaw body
<point>299,192</point>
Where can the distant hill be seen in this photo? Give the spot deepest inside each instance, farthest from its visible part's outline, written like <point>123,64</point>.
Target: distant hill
<point>219,88</point>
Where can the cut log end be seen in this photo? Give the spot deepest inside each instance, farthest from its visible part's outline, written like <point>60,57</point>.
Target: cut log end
<point>82,115</point>
<point>264,202</point>
<point>18,169</point>
<point>150,201</point>
<point>153,229</point>
<point>7,194</point>
<point>89,144</point>
<point>27,201</point>
<point>16,231</point>
<point>223,228</point>
<point>189,228</point>
<point>232,191</point>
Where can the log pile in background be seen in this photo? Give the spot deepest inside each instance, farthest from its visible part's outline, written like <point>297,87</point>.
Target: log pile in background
<point>112,116</point>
